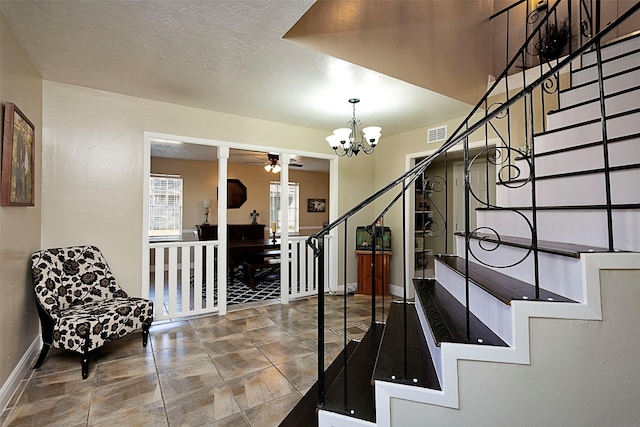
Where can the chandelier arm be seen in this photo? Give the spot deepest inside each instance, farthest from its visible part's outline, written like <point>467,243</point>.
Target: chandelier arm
<point>367,150</point>
<point>341,152</point>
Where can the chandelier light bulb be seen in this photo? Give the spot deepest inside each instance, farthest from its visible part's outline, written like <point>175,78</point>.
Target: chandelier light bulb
<point>334,141</point>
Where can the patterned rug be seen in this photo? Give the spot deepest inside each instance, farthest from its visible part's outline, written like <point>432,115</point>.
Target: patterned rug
<point>268,287</point>
<point>238,292</point>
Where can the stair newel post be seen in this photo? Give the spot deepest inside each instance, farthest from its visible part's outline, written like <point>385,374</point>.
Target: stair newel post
<point>467,235</point>
<point>532,177</point>
<point>446,202</point>
<point>404,275</point>
<point>605,141</point>
<point>344,316</point>
<point>384,269</point>
<point>321,283</point>
<point>373,230</point>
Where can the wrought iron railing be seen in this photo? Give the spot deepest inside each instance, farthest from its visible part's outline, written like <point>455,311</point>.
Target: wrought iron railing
<point>535,96</point>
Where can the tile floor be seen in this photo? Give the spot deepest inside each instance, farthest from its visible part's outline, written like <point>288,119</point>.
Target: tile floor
<point>248,368</point>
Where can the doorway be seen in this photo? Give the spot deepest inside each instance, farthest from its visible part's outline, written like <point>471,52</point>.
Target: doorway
<point>482,181</point>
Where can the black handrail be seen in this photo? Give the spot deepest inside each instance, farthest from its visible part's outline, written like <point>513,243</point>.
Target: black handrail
<point>506,9</point>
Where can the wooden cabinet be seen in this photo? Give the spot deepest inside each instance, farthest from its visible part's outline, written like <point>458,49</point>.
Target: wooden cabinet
<point>235,232</point>
<point>365,278</point>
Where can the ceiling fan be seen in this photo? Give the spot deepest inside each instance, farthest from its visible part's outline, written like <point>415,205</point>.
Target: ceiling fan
<point>273,162</point>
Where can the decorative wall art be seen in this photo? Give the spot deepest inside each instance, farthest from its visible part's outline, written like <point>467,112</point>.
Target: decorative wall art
<point>236,193</point>
<point>18,150</point>
<point>316,205</point>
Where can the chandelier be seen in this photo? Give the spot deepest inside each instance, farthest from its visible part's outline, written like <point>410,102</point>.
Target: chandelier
<point>273,165</point>
<point>350,141</point>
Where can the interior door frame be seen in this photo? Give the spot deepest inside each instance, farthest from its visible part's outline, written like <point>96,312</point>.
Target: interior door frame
<point>224,147</point>
<point>410,201</point>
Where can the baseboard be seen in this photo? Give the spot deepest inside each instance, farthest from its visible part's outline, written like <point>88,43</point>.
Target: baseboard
<point>398,291</point>
<point>19,372</point>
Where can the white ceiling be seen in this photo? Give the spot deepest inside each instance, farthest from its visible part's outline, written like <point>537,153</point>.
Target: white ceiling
<point>226,56</point>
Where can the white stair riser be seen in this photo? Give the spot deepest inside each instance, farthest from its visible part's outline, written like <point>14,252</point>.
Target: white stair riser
<point>628,124</point>
<point>591,91</point>
<point>612,50</point>
<point>621,153</point>
<point>581,227</point>
<point>586,112</point>
<point>590,74</point>
<point>493,313</point>
<point>574,190</point>
<point>558,274</point>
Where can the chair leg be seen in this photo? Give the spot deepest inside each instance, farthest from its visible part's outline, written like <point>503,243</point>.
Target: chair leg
<point>249,275</point>
<point>145,335</point>
<point>43,354</point>
<point>84,361</point>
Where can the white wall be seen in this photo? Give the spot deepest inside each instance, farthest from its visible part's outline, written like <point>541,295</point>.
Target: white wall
<point>93,165</point>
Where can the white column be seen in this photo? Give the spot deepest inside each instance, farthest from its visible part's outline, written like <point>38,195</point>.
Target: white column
<point>223,161</point>
<point>284,231</point>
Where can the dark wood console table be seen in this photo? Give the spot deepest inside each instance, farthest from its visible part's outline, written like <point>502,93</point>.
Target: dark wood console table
<point>365,277</point>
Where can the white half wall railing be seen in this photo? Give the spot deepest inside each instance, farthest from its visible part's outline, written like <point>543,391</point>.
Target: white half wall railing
<point>182,279</point>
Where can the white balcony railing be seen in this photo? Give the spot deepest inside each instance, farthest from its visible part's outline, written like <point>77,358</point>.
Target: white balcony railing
<point>183,279</point>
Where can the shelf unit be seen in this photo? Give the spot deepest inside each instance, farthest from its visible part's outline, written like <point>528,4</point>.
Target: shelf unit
<point>423,216</point>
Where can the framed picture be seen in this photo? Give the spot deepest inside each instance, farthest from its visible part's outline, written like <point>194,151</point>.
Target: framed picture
<point>18,146</point>
<point>316,205</point>
<point>236,193</point>
<point>421,260</point>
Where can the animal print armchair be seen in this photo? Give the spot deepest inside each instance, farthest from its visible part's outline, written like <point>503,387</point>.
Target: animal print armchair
<point>81,306</point>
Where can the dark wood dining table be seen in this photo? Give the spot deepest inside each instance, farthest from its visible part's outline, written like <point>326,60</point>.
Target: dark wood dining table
<point>251,252</point>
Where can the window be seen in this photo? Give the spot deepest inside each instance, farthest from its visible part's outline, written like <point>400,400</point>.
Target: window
<point>165,207</point>
<point>294,206</point>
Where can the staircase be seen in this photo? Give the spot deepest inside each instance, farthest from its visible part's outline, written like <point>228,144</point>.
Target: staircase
<point>504,333</point>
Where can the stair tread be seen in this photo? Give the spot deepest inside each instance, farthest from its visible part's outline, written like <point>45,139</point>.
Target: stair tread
<point>304,413</point>
<point>447,316</point>
<point>503,287</point>
<point>360,390</point>
<point>567,207</point>
<point>418,369</point>
<point>558,248</point>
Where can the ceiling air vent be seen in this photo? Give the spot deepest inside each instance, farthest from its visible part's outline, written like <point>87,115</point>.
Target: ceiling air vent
<point>437,134</point>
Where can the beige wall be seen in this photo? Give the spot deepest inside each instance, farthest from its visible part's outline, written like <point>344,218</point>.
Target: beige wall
<point>443,46</point>
<point>391,158</point>
<point>200,181</point>
<point>19,226</point>
<point>611,9</point>
<point>93,170</point>
<point>582,373</point>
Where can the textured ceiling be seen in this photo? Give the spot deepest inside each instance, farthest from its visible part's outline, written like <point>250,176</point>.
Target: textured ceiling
<point>227,56</point>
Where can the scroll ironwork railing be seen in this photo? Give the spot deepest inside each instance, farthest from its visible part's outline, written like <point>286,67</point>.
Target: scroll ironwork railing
<point>507,119</point>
